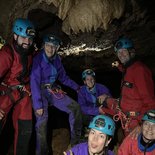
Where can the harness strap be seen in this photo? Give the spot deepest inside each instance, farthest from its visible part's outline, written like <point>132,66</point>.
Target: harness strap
<point>21,88</point>
<point>55,90</point>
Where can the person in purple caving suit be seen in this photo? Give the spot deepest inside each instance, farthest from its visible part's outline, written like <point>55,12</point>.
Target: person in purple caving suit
<point>102,130</point>
<point>47,69</point>
<point>91,96</point>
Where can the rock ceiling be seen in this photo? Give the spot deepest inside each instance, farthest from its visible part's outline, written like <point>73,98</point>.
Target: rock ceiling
<point>87,28</point>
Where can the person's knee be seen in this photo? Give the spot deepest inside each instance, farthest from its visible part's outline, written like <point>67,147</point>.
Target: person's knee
<point>74,105</point>
<point>41,127</point>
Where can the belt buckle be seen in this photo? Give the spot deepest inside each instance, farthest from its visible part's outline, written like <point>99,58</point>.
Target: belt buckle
<point>132,113</point>
<point>48,86</point>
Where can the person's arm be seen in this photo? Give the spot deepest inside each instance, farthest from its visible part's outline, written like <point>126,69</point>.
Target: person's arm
<point>68,153</point>
<point>6,60</point>
<point>125,147</point>
<point>35,82</point>
<point>81,148</point>
<point>145,85</point>
<point>104,93</point>
<point>88,110</point>
<point>65,79</point>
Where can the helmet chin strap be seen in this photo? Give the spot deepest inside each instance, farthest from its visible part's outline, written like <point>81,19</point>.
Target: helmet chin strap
<point>149,141</point>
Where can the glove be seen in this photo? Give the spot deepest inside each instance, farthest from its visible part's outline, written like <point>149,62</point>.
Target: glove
<point>1,114</point>
<point>115,64</point>
<point>112,106</point>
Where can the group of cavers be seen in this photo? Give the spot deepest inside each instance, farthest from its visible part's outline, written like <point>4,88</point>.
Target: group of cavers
<point>29,83</point>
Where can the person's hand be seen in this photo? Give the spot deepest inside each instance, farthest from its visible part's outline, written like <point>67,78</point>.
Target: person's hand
<point>100,110</point>
<point>39,112</point>
<point>78,89</point>
<point>102,98</point>
<point>1,114</point>
<point>135,132</point>
<point>70,153</point>
<point>115,64</point>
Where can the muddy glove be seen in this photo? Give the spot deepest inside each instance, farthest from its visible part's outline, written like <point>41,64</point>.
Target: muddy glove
<point>115,64</point>
<point>101,100</point>
<point>39,112</point>
<point>1,114</point>
<point>70,153</point>
<point>111,106</point>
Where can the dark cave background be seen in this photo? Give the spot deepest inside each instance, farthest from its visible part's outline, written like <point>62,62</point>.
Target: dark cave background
<point>140,26</point>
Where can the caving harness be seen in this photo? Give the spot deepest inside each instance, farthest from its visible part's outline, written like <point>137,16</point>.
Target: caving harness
<point>125,121</point>
<point>55,90</point>
<point>9,89</point>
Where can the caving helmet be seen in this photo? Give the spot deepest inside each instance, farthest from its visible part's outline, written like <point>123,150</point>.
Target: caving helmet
<point>52,39</point>
<point>149,116</point>
<point>104,124</point>
<point>87,72</point>
<point>123,42</point>
<point>24,28</point>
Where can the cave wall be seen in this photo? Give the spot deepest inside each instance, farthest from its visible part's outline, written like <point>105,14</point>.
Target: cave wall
<point>136,21</point>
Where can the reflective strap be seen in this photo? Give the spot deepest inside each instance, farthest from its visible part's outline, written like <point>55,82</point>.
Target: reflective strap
<point>20,87</point>
<point>2,93</point>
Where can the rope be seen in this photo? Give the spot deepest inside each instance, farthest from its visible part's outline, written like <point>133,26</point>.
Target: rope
<point>56,91</point>
<point>123,118</point>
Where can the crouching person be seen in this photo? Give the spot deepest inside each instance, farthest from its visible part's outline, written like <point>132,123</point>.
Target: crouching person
<point>102,130</point>
<point>145,144</point>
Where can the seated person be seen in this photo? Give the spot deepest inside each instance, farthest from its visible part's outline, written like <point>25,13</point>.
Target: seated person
<point>145,144</point>
<point>91,96</point>
<point>102,130</point>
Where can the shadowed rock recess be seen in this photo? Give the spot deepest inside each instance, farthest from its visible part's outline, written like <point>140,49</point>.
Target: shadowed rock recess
<point>88,29</point>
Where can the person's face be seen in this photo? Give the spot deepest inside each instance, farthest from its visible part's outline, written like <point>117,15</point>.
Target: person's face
<point>97,141</point>
<point>89,81</point>
<point>123,55</point>
<point>50,49</point>
<point>148,131</point>
<point>24,42</point>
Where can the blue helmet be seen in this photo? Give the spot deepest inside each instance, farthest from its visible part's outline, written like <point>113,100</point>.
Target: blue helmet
<point>123,43</point>
<point>52,39</point>
<point>87,72</point>
<point>149,116</point>
<point>24,28</point>
<point>104,124</point>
